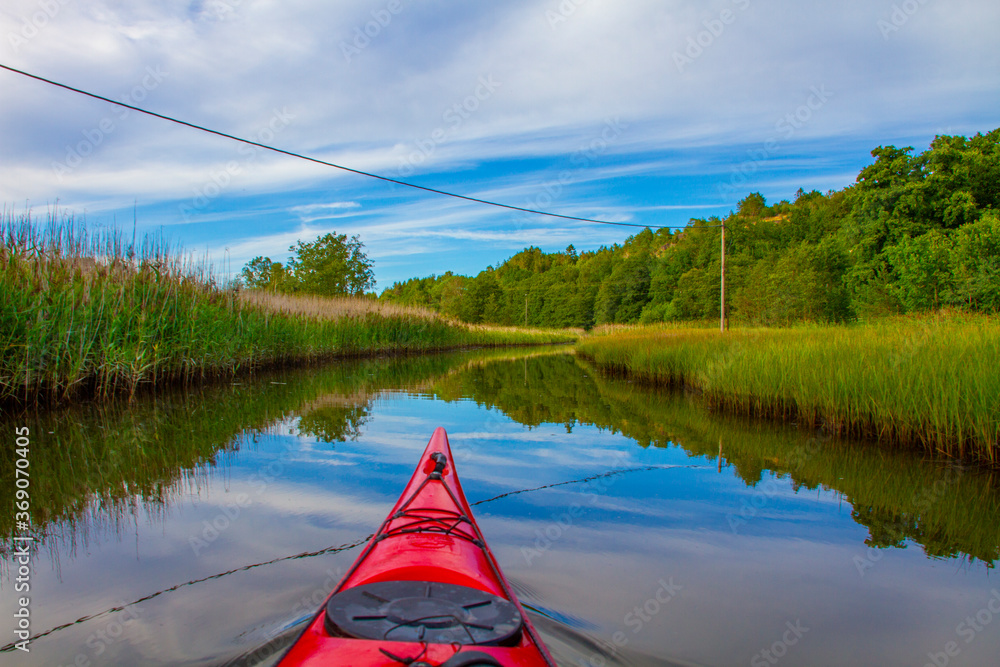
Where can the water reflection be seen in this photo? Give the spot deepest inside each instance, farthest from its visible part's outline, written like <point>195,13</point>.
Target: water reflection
<point>897,495</point>
<point>97,464</point>
<point>210,522</point>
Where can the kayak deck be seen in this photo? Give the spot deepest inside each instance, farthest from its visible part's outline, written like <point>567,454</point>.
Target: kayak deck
<point>426,590</point>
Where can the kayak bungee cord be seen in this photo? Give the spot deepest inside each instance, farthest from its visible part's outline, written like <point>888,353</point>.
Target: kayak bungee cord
<point>427,583</point>
<point>327,550</point>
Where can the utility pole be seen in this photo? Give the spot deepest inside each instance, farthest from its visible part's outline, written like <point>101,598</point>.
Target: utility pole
<point>525,310</point>
<point>722,309</point>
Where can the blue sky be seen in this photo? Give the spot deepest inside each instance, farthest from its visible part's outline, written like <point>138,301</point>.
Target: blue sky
<point>639,111</point>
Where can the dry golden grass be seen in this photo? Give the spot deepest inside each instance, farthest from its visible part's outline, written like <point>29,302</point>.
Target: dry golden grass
<point>330,308</point>
<point>613,329</point>
<point>496,328</point>
<point>335,308</point>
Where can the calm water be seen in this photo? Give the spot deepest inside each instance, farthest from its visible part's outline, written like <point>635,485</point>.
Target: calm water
<point>203,528</point>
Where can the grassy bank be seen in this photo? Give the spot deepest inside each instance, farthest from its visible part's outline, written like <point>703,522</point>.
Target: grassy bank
<point>92,314</point>
<point>929,381</point>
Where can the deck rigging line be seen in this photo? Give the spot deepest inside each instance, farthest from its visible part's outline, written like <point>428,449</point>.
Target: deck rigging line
<point>328,550</point>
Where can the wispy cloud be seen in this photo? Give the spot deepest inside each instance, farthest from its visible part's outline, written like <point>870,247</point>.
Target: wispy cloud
<point>309,209</point>
<point>414,96</point>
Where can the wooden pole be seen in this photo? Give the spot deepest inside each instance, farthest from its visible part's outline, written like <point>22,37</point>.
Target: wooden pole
<point>525,310</point>
<point>722,308</point>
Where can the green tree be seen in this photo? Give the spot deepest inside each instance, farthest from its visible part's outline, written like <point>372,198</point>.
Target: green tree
<point>332,265</point>
<point>754,206</point>
<point>916,231</point>
<point>446,293</point>
<point>805,283</point>
<point>262,273</point>
<point>976,265</point>
<point>922,278</point>
<point>625,292</point>
<point>697,295</point>
<point>482,299</point>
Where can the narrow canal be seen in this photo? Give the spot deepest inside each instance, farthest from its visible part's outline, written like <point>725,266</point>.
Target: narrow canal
<point>203,527</point>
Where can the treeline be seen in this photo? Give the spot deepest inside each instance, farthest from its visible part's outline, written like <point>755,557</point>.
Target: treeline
<point>914,233</point>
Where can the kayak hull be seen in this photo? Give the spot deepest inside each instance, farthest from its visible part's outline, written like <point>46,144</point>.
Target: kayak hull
<point>430,540</point>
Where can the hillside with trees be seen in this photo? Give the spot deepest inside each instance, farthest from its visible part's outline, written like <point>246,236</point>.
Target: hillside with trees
<point>915,232</point>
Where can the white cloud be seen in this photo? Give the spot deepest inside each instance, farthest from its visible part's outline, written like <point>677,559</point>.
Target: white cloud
<point>332,206</point>
<point>412,90</point>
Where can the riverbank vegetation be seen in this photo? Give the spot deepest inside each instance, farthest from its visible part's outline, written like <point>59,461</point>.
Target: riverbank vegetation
<point>915,233</point>
<point>926,380</point>
<point>887,292</point>
<point>122,455</point>
<point>115,462</point>
<point>899,497</point>
<point>93,314</point>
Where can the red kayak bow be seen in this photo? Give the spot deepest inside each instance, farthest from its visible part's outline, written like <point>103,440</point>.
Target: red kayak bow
<point>426,591</point>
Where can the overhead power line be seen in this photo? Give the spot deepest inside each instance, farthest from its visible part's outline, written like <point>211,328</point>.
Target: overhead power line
<point>322,162</point>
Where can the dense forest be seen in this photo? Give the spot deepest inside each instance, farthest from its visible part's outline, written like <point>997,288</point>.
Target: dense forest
<point>914,233</point>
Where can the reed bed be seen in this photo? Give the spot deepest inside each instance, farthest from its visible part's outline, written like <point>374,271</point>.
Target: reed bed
<point>96,314</point>
<point>945,507</point>
<point>930,381</point>
<point>327,308</point>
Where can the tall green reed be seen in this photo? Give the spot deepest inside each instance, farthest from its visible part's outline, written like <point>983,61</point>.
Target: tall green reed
<point>94,313</point>
<point>930,381</point>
